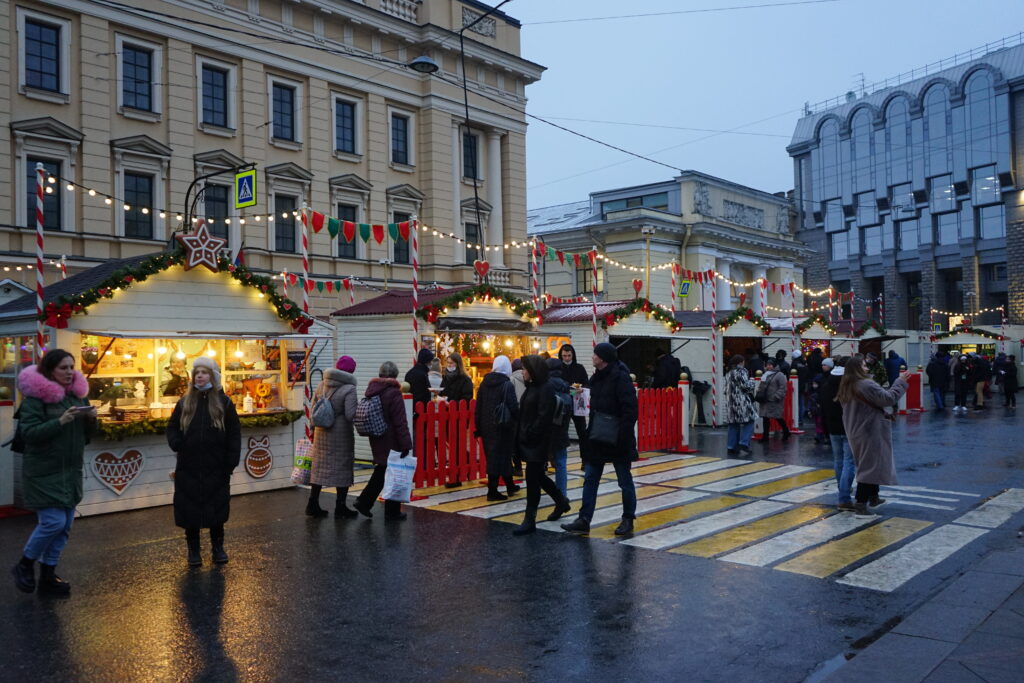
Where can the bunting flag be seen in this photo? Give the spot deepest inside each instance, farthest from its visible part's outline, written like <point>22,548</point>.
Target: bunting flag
<point>592,255</point>
<point>543,248</point>
<point>333,226</point>
<point>318,221</point>
<point>393,231</point>
<point>348,230</point>
<point>330,287</point>
<point>576,259</point>
<point>364,232</point>
<point>403,230</point>
<point>378,233</point>
<point>320,285</point>
<point>561,257</point>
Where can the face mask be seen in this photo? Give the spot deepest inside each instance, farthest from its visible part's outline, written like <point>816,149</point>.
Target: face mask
<point>450,370</point>
<point>204,387</point>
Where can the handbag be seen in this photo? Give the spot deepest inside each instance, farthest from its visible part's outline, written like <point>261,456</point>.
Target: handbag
<point>502,413</point>
<point>604,429</point>
<point>303,462</point>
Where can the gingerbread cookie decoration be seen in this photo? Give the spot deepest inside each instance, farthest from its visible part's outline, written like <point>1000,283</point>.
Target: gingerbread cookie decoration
<point>117,472</point>
<point>259,459</point>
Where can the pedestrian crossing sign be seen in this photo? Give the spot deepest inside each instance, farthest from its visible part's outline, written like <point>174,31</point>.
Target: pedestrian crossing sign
<point>245,189</point>
<point>684,289</point>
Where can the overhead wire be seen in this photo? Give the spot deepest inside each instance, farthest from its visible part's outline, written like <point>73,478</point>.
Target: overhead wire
<point>704,10</point>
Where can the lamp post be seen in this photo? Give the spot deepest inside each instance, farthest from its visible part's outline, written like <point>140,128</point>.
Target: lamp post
<point>647,231</point>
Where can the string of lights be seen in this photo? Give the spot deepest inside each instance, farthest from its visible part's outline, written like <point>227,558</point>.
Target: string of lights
<point>997,309</point>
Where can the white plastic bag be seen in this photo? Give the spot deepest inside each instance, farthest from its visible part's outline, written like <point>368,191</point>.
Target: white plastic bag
<point>398,477</point>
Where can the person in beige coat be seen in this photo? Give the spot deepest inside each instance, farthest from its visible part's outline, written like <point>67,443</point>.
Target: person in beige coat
<point>334,446</point>
<point>868,428</point>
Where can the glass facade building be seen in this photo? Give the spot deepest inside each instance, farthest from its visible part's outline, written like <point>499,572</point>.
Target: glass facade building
<point>910,191</point>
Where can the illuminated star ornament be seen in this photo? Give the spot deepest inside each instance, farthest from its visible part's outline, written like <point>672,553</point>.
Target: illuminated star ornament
<point>201,248</point>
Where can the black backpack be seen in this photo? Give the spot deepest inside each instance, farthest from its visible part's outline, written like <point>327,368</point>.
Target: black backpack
<point>17,442</point>
<point>563,409</point>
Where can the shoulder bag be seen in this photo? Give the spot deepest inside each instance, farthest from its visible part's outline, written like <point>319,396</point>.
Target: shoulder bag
<point>604,429</point>
<point>502,413</point>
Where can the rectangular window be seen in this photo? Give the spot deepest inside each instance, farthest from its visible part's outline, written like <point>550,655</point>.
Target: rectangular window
<point>840,246</point>
<point>867,209</point>
<point>344,126</point>
<point>284,112</point>
<point>347,212</point>
<point>902,203</point>
<point>984,186</point>
<point>400,253</point>
<point>947,228</point>
<point>872,240</point>
<point>472,237</point>
<point>137,77</point>
<point>399,139</point>
<point>909,237</point>
<point>941,194</point>
<point>991,222</point>
<point>42,55</point>
<point>834,221</point>
<point>658,201</point>
<point>470,150</point>
<point>215,96</point>
<point>216,199</point>
<point>584,279</point>
<point>997,272</point>
<point>138,195</point>
<point>887,233</point>
<point>51,201</point>
<point>284,223</point>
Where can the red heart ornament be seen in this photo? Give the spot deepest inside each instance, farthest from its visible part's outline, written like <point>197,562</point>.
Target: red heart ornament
<point>481,268</point>
<point>117,472</point>
<point>638,285</point>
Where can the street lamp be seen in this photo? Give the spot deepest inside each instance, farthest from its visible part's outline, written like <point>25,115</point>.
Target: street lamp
<point>424,65</point>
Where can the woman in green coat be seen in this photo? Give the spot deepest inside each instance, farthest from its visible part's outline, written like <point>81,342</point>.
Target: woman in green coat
<point>55,421</point>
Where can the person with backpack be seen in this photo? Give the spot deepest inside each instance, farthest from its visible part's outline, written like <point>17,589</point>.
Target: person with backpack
<point>419,384</point>
<point>892,364</point>
<point>334,409</point>
<point>54,424</point>
<point>533,441</point>
<point>980,375</point>
<point>205,433</point>
<point>497,413</point>
<point>613,416</point>
<point>381,415</point>
<point>1010,384</point>
<point>456,384</point>
<point>560,428</point>
<point>771,394</point>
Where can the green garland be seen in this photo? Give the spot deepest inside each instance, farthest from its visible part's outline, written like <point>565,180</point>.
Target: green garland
<point>869,325</point>
<point>123,278</point>
<point>638,305</point>
<point>967,329</point>
<point>815,318</point>
<point>744,313</point>
<point>117,432</point>
<point>431,311</point>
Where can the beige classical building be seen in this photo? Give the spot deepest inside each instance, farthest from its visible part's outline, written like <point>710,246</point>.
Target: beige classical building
<point>696,220</point>
<point>136,103</point>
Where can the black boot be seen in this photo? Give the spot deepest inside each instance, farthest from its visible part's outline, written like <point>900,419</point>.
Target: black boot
<point>341,509</point>
<point>625,527</point>
<point>50,583</point>
<point>217,541</point>
<point>560,509</point>
<point>492,489</point>
<point>363,508</point>
<point>580,526</point>
<point>313,508</point>
<point>529,524</point>
<point>25,575</point>
<point>393,511</point>
<point>195,559</point>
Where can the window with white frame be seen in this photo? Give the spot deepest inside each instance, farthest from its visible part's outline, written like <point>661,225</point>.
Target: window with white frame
<point>400,249</point>
<point>285,106</point>
<point>51,195</point>
<point>138,205</point>
<point>470,156</point>
<point>56,147</point>
<point>347,212</point>
<point>216,207</point>
<point>347,128</point>
<point>351,195</point>
<point>44,63</point>
<point>401,138</point>
<point>216,82</point>
<point>140,180</point>
<point>285,209</point>
<point>139,65</point>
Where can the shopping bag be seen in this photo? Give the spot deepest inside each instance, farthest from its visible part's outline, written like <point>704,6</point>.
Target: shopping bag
<point>398,477</point>
<point>303,462</point>
<point>581,402</point>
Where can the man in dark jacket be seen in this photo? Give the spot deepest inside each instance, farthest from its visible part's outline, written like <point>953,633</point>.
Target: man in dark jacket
<point>666,371</point>
<point>613,415</point>
<point>938,379</point>
<point>780,363</point>
<point>559,444</point>
<point>754,362</point>
<point>842,456</point>
<point>419,384</point>
<point>981,373</point>
<point>893,363</point>
<point>575,375</point>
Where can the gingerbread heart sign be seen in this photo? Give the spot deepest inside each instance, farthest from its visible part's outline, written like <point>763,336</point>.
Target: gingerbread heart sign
<point>481,268</point>
<point>117,472</point>
<point>259,459</point>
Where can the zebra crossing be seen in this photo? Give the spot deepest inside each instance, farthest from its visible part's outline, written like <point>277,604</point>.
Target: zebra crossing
<point>768,515</point>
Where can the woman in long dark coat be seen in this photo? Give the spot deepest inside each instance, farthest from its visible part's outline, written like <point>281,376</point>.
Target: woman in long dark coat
<point>396,438</point>
<point>498,439</point>
<point>205,433</point>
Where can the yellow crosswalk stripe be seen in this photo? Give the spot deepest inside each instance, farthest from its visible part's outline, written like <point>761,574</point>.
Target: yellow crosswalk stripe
<point>749,533</point>
<point>670,465</point>
<point>718,475</point>
<point>481,501</point>
<point>773,487</point>
<point>829,558</point>
<point>608,499</point>
<point>431,490</point>
<point>676,514</point>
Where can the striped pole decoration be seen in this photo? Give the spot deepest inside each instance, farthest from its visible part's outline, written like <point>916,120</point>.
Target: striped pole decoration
<point>533,274</point>
<point>792,315</point>
<point>714,349</point>
<point>831,303</point>
<point>593,288</point>
<point>1002,329</point>
<point>414,256</point>
<point>63,267</point>
<point>763,286</point>
<point>881,309</point>
<point>40,189</point>
<point>672,298</point>
<point>284,282</point>
<point>307,397</point>
<point>350,286</point>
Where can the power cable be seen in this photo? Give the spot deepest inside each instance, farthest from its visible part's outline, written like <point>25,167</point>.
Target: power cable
<point>677,12</point>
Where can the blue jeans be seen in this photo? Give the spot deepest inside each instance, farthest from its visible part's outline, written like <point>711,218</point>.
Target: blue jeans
<point>939,396</point>
<point>50,535</point>
<point>739,435</point>
<point>559,458</point>
<point>842,462</point>
<point>592,479</point>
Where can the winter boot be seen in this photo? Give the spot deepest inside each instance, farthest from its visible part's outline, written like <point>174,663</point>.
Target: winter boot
<point>195,559</point>
<point>313,508</point>
<point>492,489</point>
<point>561,508</point>
<point>393,511</point>
<point>50,583</point>
<point>529,524</point>
<point>341,509</point>
<point>217,542</point>
<point>25,575</point>
<point>580,526</point>
<point>625,527</point>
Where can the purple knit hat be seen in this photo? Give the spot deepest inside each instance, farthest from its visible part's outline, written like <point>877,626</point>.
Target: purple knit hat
<point>346,364</point>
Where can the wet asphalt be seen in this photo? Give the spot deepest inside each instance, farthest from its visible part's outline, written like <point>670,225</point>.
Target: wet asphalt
<point>444,597</point>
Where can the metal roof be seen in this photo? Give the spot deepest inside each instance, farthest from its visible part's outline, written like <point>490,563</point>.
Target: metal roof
<point>558,217</point>
<point>395,302</point>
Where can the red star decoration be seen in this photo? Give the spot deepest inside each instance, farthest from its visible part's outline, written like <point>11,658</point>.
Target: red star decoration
<point>201,248</point>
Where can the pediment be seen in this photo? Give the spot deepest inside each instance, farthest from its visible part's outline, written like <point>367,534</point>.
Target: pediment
<point>47,126</point>
<point>405,191</point>
<point>350,181</point>
<point>142,144</point>
<point>471,205</point>
<point>289,170</point>
<point>218,158</point>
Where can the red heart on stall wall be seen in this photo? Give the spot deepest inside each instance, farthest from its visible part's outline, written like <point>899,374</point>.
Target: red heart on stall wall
<point>117,472</point>
<point>638,285</point>
<point>481,268</point>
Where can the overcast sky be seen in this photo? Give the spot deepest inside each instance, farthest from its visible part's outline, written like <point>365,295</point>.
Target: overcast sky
<point>746,69</point>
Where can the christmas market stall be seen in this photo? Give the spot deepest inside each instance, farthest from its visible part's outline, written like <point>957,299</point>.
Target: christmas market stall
<point>965,338</point>
<point>135,326</point>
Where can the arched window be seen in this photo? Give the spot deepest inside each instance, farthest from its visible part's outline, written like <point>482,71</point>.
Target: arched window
<point>828,161</point>
<point>981,119</point>
<point>860,148</point>
<point>897,141</point>
<point>937,131</point>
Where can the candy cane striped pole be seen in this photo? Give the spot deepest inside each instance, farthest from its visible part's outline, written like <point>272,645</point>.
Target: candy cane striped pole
<point>533,274</point>
<point>763,286</point>
<point>284,281</point>
<point>881,309</point>
<point>931,329</point>
<point>351,287</point>
<point>792,316</point>
<point>672,298</point>
<point>414,256</point>
<point>593,287</point>
<point>714,351</point>
<point>63,267</point>
<point>1002,329</point>
<point>831,303</point>
<point>40,189</point>
<point>307,397</point>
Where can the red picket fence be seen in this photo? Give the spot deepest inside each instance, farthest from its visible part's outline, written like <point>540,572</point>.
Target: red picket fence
<point>660,423</point>
<point>445,448</point>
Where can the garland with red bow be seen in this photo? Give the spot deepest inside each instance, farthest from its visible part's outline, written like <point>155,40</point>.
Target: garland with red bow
<point>430,312</point>
<point>744,313</point>
<point>811,320</point>
<point>967,329</point>
<point>645,306</point>
<point>869,325</point>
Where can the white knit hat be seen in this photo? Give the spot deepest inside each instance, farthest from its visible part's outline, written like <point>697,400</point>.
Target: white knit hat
<point>209,364</point>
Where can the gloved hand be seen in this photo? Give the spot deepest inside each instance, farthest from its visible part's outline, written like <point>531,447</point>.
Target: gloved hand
<point>404,453</point>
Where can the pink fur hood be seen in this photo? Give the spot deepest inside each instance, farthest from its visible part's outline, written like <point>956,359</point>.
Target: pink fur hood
<point>32,383</point>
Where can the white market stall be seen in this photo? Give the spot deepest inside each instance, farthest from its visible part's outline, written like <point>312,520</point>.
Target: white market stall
<point>134,326</point>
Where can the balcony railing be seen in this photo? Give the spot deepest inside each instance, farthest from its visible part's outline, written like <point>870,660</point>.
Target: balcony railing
<point>403,9</point>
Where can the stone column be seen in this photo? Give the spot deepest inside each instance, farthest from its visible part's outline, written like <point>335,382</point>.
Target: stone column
<point>496,224</point>
<point>723,266</point>
<point>758,272</point>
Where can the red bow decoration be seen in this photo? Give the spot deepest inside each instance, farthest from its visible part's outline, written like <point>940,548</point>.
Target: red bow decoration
<point>302,324</point>
<point>57,316</point>
<point>749,315</point>
<point>609,319</point>
<point>743,298</point>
